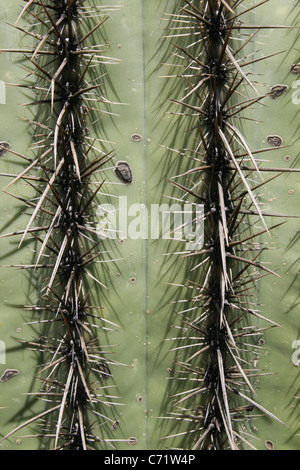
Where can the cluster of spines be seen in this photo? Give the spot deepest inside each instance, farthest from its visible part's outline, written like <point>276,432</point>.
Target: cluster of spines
<point>75,367</point>
<point>213,386</point>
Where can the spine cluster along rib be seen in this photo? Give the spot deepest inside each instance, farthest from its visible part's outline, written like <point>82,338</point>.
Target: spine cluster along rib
<point>214,384</point>
<point>75,371</point>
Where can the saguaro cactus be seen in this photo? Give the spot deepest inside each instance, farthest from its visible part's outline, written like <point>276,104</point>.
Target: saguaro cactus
<point>148,336</point>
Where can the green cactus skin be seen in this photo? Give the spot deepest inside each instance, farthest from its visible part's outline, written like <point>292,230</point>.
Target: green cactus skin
<point>144,309</point>
<point>279,296</point>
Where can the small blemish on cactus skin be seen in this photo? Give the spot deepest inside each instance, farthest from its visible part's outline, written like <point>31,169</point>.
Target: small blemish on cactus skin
<point>295,68</point>
<point>269,445</point>
<point>275,140</point>
<point>132,441</point>
<point>123,172</point>
<point>136,137</point>
<point>4,146</point>
<point>115,425</point>
<point>8,374</point>
<point>277,90</point>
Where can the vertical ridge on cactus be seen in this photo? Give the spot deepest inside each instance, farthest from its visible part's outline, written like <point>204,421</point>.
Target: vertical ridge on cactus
<point>75,371</point>
<point>214,388</point>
